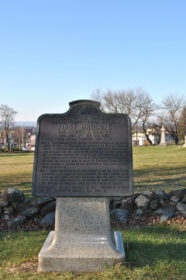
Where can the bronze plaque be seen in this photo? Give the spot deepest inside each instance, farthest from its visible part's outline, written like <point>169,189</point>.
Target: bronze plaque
<point>83,152</point>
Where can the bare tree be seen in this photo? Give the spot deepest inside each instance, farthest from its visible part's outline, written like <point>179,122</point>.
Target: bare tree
<point>156,130</point>
<point>123,101</point>
<point>116,101</point>
<point>182,123</point>
<point>97,95</point>
<point>18,135</point>
<point>134,102</point>
<point>171,114</point>
<point>148,108</point>
<point>7,115</point>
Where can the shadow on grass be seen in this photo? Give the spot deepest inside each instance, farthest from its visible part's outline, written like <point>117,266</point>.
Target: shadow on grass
<point>9,164</point>
<point>176,181</point>
<point>169,170</point>
<point>7,183</point>
<point>153,245</point>
<point>150,254</point>
<point>168,176</point>
<point>162,230</point>
<point>16,154</point>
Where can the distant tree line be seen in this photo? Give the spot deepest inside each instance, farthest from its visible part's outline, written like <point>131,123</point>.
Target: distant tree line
<point>7,117</point>
<point>136,103</point>
<point>7,126</point>
<point>142,109</point>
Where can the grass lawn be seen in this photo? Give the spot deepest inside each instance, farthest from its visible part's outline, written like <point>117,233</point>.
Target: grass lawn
<point>154,167</point>
<point>154,252</point>
<point>159,167</point>
<point>16,171</point>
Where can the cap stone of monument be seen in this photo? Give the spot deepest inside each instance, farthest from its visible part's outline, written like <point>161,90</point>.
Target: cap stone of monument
<point>83,158</point>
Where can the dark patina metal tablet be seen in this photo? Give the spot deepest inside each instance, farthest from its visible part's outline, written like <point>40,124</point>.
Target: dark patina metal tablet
<point>83,152</point>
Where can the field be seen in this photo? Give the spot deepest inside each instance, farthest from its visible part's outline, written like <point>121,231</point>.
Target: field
<point>159,167</point>
<point>153,252</point>
<point>154,167</point>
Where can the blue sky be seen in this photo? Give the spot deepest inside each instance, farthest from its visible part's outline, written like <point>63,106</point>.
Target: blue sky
<point>53,52</point>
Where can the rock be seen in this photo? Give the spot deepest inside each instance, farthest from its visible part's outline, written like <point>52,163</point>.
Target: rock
<point>139,212</point>
<point>116,203</point>
<point>18,221</point>
<point>5,217</point>
<point>134,196</point>
<point>178,193</point>
<point>30,212</point>
<point>24,205</point>
<point>154,204</point>
<point>162,201</point>
<point>137,218</point>
<point>12,195</point>
<point>158,212</point>
<point>181,207</point>
<point>184,199</point>
<point>41,201</point>
<point>49,219</point>
<point>120,215</point>
<point>3,203</point>
<point>9,211</point>
<point>127,203</point>
<point>166,210</point>
<point>161,194</point>
<point>142,201</point>
<point>174,199</point>
<point>50,207</point>
<point>166,216</point>
<point>149,194</point>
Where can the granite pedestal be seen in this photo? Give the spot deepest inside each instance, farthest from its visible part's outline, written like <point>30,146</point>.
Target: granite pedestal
<point>83,239</point>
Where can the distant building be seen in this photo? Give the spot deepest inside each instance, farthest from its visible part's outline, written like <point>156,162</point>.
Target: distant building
<point>31,143</point>
<point>139,138</point>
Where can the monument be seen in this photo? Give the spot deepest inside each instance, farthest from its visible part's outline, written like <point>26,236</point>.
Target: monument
<point>163,142</point>
<point>83,158</point>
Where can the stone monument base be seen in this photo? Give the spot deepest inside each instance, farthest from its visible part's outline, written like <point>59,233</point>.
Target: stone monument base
<point>83,240</point>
